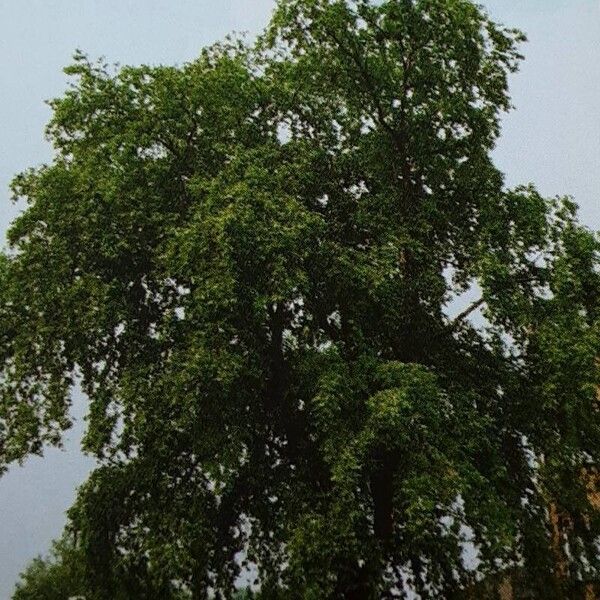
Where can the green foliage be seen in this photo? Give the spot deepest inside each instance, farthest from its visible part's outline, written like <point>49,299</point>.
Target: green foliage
<point>248,263</point>
<point>57,577</point>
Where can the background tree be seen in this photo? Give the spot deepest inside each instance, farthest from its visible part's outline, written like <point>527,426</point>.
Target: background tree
<point>248,262</point>
<point>57,577</point>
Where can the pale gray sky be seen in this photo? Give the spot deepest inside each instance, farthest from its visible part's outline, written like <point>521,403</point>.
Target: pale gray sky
<point>552,139</point>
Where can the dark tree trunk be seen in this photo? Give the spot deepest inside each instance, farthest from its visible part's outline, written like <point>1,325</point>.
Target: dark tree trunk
<point>382,491</point>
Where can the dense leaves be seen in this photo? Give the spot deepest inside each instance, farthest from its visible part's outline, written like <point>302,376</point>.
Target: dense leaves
<point>56,577</point>
<point>249,263</point>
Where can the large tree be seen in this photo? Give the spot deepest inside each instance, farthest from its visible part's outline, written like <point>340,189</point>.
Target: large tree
<point>249,264</point>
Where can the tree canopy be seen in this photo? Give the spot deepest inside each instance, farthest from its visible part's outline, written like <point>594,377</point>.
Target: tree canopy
<point>249,263</point>
<point>60,576</point>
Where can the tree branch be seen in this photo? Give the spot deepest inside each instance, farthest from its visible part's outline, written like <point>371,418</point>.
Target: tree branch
<point>465,313</point>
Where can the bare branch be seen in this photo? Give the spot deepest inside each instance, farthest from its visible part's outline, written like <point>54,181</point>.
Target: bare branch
<point>465,313</point>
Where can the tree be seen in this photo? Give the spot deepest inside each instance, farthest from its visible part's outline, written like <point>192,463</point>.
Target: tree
<point>58,577</point>
<point>62,576</point>
<point>249,263</point>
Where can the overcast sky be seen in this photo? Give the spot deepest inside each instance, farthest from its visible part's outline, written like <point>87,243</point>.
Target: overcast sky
<point>552,139</point>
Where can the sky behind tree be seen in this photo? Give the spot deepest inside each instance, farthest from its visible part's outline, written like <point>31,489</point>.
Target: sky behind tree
<point>552,139</point>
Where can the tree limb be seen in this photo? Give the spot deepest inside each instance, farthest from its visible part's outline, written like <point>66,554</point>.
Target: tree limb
<point>465,313</point>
